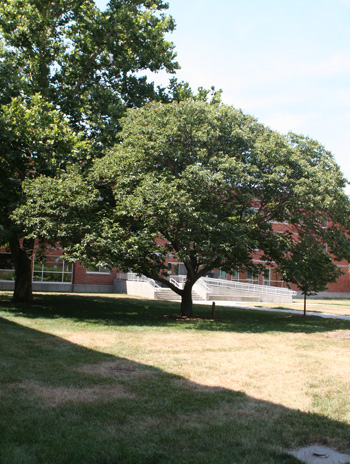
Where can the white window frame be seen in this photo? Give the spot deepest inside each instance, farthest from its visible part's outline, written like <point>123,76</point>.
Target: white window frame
<point>63,272</point>
<point>101,271</point>
<point>178,263</point>
<point>267,281</point>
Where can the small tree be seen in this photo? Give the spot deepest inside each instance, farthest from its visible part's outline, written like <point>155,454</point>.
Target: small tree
<point>309,267</point>
<point>201,183</point>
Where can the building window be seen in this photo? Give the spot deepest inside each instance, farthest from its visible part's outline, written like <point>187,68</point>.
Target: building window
<point>97,270</point>
<point>222,274</point>
<point>267,277</point>
<point>175,269</point>
<point>7,271</point>
<point>252,278</point>
<point>53,269</point>
<point>235,275</point>
<point>217,274</point>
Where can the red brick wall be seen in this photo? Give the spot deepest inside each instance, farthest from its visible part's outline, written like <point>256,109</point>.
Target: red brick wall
<point>81,276</point>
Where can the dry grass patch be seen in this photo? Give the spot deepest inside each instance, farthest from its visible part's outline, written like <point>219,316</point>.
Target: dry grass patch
<point>91,339</point>
<point>56,396</point>
<point>278,368</point>
<point>337,307</point>
<point>113,369</point>
<point>339,334</point>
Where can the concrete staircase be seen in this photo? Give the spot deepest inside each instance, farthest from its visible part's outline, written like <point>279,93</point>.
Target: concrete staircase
<point>235,296</point>
<point>168,294</point>
<point>207,289</point>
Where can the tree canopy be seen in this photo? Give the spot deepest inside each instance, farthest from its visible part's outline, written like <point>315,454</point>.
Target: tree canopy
<point>201,183</point>
<point>35,139</point>
<point>309,266</point>
<point>85,61</point>
<point>68,71</point>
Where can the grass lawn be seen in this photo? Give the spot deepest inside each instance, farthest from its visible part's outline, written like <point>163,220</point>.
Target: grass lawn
<point>336,306</point>
<point>91,379</point>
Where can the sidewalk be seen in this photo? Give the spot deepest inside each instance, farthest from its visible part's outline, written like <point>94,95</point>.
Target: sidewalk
<point>236,304</point>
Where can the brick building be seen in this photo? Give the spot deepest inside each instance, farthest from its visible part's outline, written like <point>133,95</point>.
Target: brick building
<point>56,274</point>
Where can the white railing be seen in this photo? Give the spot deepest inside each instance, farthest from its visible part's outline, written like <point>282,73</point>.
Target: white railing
<point>132,276</point>
<point>136,278</point>
<point>246,287</point>
<point>181,279</point>
<point>176,282</point>
<point>205,285</point>
<point>202,289</point>
<point>202,283</point>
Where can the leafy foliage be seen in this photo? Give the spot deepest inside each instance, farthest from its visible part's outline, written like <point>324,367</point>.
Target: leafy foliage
<point>309,267</point>
<point>35,139</point>
<point>204,183</point>
<point>68,71</point>
<point>87,61</point>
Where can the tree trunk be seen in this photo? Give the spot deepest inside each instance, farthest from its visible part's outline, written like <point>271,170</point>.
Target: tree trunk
<point>186,300</point>
<point>21,256</point>
<point>304,304</point>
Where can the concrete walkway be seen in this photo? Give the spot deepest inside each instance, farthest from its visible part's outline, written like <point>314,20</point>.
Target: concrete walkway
<point>236,304</point>
<point>320,455</point>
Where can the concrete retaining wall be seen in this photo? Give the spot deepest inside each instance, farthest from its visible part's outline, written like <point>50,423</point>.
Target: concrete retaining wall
<point>91,288</point>
<point>244,296</point>
<point>201,291</point>
<point>52,287</point>
<point>142,289</point>
<point>61,287</point>
<point>39,286</point>
<point>230,294</point>
<point>325,295</point>
<point>267,298</point>
<point>119,286</point>
<point>219,293</point>
<point>7,285</point>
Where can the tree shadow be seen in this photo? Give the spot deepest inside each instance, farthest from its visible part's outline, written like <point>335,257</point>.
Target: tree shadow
<point>65,403</point>
<point>126,311</point>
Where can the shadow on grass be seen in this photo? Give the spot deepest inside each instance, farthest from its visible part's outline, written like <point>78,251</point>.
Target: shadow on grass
<point>64,403</point>
<point>126,311</point>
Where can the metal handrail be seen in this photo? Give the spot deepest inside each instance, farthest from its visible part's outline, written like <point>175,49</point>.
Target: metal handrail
<point>137,278</point>
<point>207,283</point>
<point>201,282</point>
<point>202,289</point>
<point>256,288</point>
<point>179,278</point>
<point>175,282</point>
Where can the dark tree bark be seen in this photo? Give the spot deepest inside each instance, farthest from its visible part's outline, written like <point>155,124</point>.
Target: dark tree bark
<point>186,300</point>
<point>22,260</point>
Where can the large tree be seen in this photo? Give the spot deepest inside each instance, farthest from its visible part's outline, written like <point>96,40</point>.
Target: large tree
<point>202,183</point>
<point>35,140</point>
<point>77,68</point>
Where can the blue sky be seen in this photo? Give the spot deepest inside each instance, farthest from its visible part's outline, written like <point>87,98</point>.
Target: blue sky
<point>285,62</point>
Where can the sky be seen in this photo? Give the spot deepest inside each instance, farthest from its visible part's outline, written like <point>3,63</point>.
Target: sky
<point>285,62</point>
